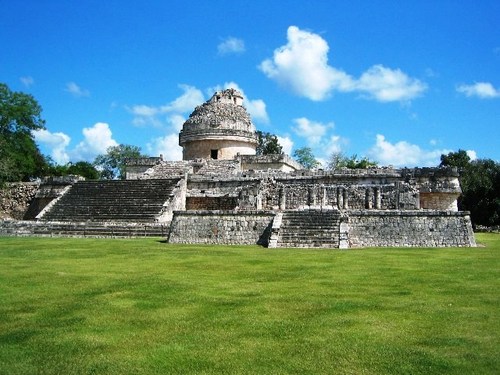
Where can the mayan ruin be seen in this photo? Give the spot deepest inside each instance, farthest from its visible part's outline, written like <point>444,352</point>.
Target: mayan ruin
<point>223,193</point>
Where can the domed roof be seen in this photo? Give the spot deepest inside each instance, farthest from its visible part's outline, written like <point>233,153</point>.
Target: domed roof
<point>223,111</point>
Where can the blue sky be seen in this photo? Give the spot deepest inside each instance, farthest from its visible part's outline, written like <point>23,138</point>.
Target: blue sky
<point>400,82</point>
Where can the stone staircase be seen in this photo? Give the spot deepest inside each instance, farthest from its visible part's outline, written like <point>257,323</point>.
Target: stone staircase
<point>82,229</point>
<point>309,228</point>
<point>135,201</point>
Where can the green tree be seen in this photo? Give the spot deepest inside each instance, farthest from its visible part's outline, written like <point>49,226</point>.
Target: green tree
<point>112,164</point>
<point>339,160</point>
<point>20,158</point>
<point>84,169</point>
<point>305,157</point>
<point>480,182</point>
<point>81,168</point>
<point>19,112</point>
<point>458,159</point>
<point>268,144</point>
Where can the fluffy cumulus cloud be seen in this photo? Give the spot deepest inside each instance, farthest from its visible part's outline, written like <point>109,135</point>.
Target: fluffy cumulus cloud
<point>231,45</point>
<point>56,143</point>
<point>76,90</point>
<point>167,146</point>
<point>334,145</point>
<point>388,85</point>
<point>285,142</point>
<point>472,154</point>
<point>170,113</point>
<point>190,98</point>
<point>483,90</point>
<point>312,131</point>
<point>403,154</point>
<point>96,140</point>
<point>319,137</point>
<point>302,66</point>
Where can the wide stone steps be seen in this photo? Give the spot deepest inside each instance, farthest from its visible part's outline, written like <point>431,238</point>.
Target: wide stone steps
<point>128,200</point>
<point>87,229</point>
<point>310,228</point>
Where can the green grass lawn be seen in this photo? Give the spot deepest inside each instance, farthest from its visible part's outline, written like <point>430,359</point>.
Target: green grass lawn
<point>109,306</point>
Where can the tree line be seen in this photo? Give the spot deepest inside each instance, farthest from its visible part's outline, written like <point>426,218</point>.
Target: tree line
<point>21,159</point>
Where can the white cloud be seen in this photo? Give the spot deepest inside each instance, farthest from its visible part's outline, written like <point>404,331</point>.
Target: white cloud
<point>319,138</point>
<point>312,131</point>
<point>150,115</point>
<point>388,85</point>
<point>27,81</point>
<point>167,146</point>
<point>76,90</point>
<point>334,145</point>
<point>302,66</point>
<point>483,90</point>
<point>286,143</point>
<point>231,45</point>
<point>403,154</point>
<point>144,110</point>
<point>257,110</point>
<point>56,142</point>
<point>176,121</point>
<point>96,140</point>
<point>472,154</point>
<point>186,102</point>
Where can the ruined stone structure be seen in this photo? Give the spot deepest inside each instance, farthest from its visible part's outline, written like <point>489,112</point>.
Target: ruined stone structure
<point>221,128</point>
<point>222,193</point>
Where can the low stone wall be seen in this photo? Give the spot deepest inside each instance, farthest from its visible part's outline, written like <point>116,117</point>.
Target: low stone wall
<point>15,199</point>
<point>221,227</point>
<point>419,228</point>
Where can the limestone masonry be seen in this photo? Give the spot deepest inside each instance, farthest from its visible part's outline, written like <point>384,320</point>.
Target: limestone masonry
<point>222,193</point>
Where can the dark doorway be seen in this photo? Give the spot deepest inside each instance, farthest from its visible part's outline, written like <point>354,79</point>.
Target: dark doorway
<point>214,154</point>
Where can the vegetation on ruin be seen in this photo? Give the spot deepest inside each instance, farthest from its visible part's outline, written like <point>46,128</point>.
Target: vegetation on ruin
<point>109,306</point>
<point>340,160</point>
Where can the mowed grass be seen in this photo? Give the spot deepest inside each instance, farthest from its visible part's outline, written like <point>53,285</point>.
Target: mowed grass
<point>110,306</point>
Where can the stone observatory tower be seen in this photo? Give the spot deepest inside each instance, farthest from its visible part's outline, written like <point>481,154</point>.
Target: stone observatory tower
<point>220,128</point>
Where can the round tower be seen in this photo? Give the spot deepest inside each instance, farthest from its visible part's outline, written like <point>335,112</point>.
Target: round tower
<point>218,129</point>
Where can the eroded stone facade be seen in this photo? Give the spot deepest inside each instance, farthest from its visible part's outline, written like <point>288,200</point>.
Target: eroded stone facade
<point>221,128</point>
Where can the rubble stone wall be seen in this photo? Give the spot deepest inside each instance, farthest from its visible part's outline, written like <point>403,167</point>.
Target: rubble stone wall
<point>420,228</point>
<point>15,199</point>
<point>375,228</point>
<point>211,203</point>
<point>221,227</point>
